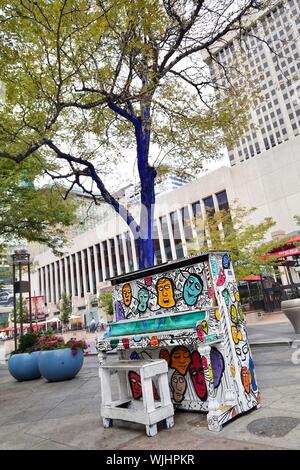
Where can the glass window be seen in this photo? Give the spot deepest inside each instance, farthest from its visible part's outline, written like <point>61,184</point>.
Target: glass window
<point>106,261</point>
<point>176,234</point>
<point>113,255</point>
<point>49,283</point>
<point>58,280</point>
<point>222,200</point>
<point>187,226</point>
<point>63,267</point>
<point>157,252</point>
<point>40,282</point>
<point>100,272</point>
<point>121,253</point>
<point>80,274</point>
<point>209,205</point>
<point>129,251</point>
<point>94,290</point>
<point>75,274</point>
<point>166,238</point>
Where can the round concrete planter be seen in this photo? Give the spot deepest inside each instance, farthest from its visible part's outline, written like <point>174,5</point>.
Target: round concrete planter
<point>60,364</point>
<point>291,308</point>
<point>24,366</point>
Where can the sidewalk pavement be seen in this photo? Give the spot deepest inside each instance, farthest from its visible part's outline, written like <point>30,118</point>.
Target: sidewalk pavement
<point>65,415</point>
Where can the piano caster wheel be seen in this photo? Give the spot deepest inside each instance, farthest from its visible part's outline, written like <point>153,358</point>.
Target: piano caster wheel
<point>151,430</point>
<point>107,423</point>
<point>170,422</point>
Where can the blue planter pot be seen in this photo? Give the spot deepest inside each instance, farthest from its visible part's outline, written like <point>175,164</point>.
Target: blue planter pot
<point>24,366</point>
<point>60,364</point>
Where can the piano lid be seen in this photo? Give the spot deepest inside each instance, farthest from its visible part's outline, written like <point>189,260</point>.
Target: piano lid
<point>161,268</point>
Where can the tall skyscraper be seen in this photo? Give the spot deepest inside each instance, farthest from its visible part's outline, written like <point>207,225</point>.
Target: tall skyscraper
<point>270,54</point>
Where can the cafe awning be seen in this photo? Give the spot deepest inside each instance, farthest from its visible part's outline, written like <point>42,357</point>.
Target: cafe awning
<point>75,318</point>
<point>53,320</point>
<point>287,249</point>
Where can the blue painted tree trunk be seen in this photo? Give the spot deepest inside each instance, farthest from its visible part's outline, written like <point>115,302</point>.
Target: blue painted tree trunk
<point>147,174</point>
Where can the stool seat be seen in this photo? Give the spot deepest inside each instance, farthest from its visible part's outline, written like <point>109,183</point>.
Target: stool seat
<point>127,407</point>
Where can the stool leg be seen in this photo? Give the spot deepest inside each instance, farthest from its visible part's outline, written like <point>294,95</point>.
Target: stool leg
<point>147,390</point>
<point>151,430</point>
<point>107,422</point>
<point>164,389</point>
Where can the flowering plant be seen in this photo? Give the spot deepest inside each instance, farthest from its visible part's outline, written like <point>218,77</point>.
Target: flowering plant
<point>75,345</point>
<point>49,343</point>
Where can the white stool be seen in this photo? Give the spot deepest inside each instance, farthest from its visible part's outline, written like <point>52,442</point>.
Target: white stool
<point>148,412</point>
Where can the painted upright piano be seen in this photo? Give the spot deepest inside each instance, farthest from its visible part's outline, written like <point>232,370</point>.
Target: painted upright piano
<point>187,312</point>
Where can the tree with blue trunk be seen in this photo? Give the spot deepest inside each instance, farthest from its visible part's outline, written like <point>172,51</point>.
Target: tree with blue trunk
<point>85,79</point>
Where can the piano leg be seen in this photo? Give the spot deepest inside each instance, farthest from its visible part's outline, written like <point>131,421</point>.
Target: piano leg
<point>170,422</point>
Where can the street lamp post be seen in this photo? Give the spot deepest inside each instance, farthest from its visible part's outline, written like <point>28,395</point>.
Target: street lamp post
<point>21,258</point>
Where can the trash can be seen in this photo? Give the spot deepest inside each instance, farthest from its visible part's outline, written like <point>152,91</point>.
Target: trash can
<point>291,308</point>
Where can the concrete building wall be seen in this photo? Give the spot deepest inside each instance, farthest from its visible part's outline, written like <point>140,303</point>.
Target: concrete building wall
<point>270,182</point>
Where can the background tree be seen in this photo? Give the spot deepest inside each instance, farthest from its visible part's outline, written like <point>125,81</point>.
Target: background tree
<point>105,303</point>
<point>233,231</point>
<point>85,80</point>
<point>21,311</point>
<point>32,213</point>
<point>65,308</point>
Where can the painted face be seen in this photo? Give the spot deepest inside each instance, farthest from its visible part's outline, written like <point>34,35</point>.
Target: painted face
<point>200,333</point>
<point>180,359</point>
<point>178,384</point>
<point>120,315</point>
<point>143,298</point>
<point>251,368</point>
<point>221,278</point>
<point>192,288</point>
<point>134,356</point>
<point>242,351</point>
<point>226,262</point>
<point>164,354</point>
<point>127,294</point>
<point>225,294</point>
<point>236,334</point>
<point>204,326</point>
<point>218,315</point>
<point>135,384</point>
<point>233,314</point>
<point>165,293</point>
<point>197,375</point>
<point>246,378</point>
<point>218,365</point>
<point>214,267</point>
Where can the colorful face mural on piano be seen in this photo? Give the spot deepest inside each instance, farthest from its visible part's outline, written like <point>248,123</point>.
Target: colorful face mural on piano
<point>180,358</point>
<point>197,375</point>
<point>165,293</point>
<point>143,298</point>
<point>126,294</point>
<point>135,384</point>
<point>192,289</point>
<point>226,261</point>
<point>246,378</point>
<point>178,385</point>
<point>218,365</point>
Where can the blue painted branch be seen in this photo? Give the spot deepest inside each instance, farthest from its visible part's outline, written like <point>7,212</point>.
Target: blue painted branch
<point>108,198</point>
